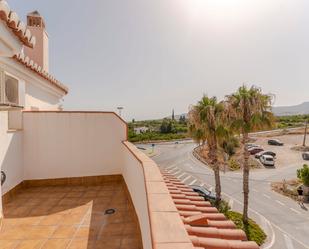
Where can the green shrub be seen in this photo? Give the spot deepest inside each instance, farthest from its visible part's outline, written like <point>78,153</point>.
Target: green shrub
<point>233,164</point>
<point>230,145</point>
<point>303,174</point>
<point>253,231</point>
<point>223,206</point>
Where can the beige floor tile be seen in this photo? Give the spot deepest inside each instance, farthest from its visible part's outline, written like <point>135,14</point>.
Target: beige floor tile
<point>8,244</point>
<point>63,232</point>
<point>30,244</point>
<point>72,219</point>
<point>39,232</point>
<point>81,244</point>
<point>52,219</point>
<point>56,244</point>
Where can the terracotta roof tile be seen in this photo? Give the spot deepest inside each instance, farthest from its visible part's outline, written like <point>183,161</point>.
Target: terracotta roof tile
<point>16,25</point>
<point>207,228</point>
<point>31,65</point>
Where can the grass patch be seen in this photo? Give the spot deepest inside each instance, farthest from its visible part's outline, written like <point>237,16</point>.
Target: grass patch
<point>253,231</point>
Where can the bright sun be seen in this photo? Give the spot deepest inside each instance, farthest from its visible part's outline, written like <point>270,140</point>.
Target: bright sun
<point>197,8</point>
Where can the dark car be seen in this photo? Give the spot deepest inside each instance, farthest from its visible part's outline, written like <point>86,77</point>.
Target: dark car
<point>275,142</point>
<point>305,155</point>
<point>255,150</point>
<point>269,153</point>
<point>208,195</point>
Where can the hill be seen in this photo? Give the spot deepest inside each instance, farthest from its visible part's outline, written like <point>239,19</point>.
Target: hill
<point>300,109</point>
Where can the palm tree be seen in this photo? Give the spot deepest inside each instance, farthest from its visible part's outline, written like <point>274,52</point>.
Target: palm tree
<point>249,110</point>
<point>205,121</point>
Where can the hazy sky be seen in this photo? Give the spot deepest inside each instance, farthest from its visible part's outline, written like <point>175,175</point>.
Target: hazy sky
<point>151,56</point>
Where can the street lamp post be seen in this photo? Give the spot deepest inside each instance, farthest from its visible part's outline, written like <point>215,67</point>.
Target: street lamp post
<point>120,108</point>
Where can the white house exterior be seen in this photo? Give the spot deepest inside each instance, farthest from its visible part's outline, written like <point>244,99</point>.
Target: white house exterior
<point>24,85</point>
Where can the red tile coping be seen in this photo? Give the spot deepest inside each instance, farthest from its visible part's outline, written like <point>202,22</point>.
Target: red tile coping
<point>180,219</point>
<point>206,226</point>
<point>16,25</point>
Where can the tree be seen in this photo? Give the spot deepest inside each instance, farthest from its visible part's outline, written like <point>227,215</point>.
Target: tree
<point>167,126</point>
<point>249,110</point>
<point>303,174</point>
<point>206,123</point>
<point>173,115</point>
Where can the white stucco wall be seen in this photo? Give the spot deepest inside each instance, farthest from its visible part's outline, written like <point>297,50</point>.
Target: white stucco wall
<point>66,144</point>
<point>38,98</point>
<point>133,174</point>
<point>10,154</point>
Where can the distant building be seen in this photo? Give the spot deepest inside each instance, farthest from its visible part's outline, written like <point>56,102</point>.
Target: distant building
<point>139,130</point>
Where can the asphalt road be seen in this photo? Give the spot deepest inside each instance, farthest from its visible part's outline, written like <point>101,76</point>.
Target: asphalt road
<point>285,222</point>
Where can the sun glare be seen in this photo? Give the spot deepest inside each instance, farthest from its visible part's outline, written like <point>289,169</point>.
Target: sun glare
<point>198,8</point>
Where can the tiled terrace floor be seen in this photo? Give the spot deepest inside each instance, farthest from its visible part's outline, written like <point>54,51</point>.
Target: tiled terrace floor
<point>70,217</point>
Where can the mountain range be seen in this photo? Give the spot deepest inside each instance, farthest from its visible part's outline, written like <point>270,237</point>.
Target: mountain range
<point>292,110</point>
<point>300,109</point>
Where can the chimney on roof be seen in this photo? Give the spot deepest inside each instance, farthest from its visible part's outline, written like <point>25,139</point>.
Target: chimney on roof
<point>40,53</point>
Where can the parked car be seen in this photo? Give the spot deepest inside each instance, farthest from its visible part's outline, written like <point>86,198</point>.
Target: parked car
<point>251,145</point>
<point>208,195</point>
<point>255,150</point>
<point>270,153</point>
<point>275,142</point>
<point>267,160</point>
<point>305,155</point>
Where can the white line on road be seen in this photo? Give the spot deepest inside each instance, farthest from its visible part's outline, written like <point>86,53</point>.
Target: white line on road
<point>187,178</point>
<point>176,172</point>
<point>202,184</point>
<point>267,196</point>
<point>183,174</point>
<point>194,181</point>
<point>170,168</point>
<point>170,171</point>
<point>288,242</point>
<point>295,211</point>
<point>279,202</point>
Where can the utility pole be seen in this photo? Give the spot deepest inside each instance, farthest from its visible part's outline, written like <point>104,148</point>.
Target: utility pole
<point>120,108</point>
<point>305,136</point>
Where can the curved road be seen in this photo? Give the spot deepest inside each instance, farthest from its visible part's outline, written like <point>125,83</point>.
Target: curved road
<point>285,222</point>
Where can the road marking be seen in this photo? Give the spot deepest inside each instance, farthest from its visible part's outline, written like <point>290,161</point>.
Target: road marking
<point>176,172</point>
<point>182,175</point>
<point>254,190</point>
<point>288,242</point>
<point>187,178</point>
<point>170,171</point>
<point>282,204</point>
<point>202,184</point>
<point>267,196</point>
<point>295,211</point>
<point>170,168</point>
<point>194,181</point>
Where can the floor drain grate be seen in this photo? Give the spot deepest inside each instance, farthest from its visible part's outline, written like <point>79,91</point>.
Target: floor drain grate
<point>110,211</point>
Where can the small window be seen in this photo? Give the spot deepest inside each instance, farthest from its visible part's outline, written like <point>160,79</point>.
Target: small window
<point>11,90</point>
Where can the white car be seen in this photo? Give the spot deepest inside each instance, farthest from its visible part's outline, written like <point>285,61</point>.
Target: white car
<point>267,160</point>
